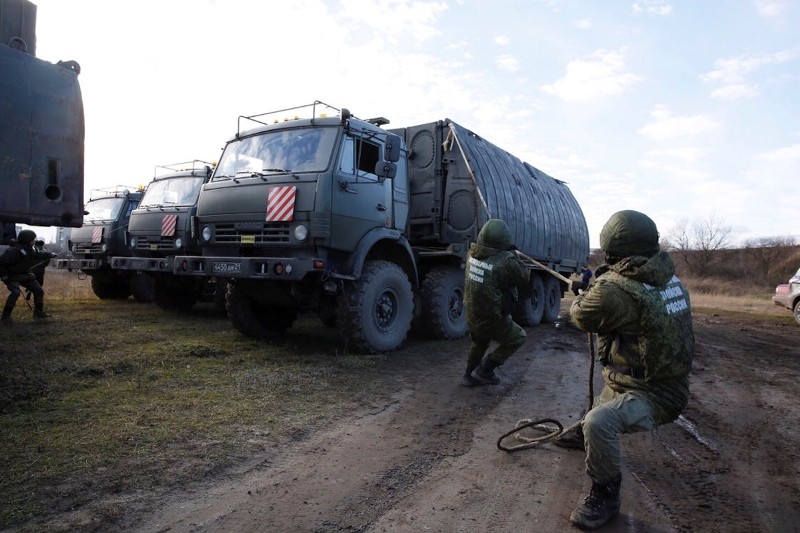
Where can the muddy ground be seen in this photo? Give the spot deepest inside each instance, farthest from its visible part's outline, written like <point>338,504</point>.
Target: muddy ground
<point>427,459</point>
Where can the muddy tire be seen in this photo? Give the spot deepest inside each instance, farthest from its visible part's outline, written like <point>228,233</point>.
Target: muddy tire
<point>256,320</point>
<point>528,311</point>
<point>552,300</point>
<point>443,313</point>
<point>111,290</point>
<point>376,310</point>
<point>143,288</point>
<point>174,299</point>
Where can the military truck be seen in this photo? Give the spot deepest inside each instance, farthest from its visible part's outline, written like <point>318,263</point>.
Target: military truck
<point>369,228</point>
<point>41,130</point>
<point>101,237</point>
<point>161,227</point>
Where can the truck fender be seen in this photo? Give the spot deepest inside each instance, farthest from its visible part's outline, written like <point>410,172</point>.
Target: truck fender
<point>398,251</point>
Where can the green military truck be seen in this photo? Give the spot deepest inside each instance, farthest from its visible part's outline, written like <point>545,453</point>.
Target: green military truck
<point>369,228</point>
<point>102,236</point>
<point>162,226</point>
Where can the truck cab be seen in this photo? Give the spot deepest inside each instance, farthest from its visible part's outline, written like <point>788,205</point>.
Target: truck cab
<point>102,235</point>
<point>163,226</point>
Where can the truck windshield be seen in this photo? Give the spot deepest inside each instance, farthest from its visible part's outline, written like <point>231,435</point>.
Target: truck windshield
<point>103,209</point>
<point>172,191</point>
<point>299,150</point>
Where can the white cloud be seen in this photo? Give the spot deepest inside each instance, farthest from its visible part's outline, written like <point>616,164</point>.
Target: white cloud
<point>733,70</point>
<point>406,17</point>
<point>770,8</point>
<point>602,74</point>
<point>507,63</point>
<point>582,24</point>
<point>666,126</point>
<point>736,92</point>
<point>652,7</point>
<point>787,153</point>
<point>502,40</point>
<point>689,154</point>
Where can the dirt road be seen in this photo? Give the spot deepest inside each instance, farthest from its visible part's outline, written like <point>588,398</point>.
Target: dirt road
<point>426,459</point>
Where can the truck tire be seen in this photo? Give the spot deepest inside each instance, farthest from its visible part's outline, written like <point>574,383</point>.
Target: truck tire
<point>552,300</point>
<point>143,288</point>
<point>443,314</point>
<point>174,299</point>
<point>376,310</point>
<point>111,290</point>
<point>256,320</point>
<point>528,311</point>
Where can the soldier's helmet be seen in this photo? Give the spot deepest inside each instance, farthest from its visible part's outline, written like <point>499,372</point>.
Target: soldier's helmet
<point>628,233</point>
<point>495,234</point>
<point>26,236</point>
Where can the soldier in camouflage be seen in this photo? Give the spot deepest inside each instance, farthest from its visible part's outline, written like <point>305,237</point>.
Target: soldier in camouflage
<point>15,271</point>
<point>493,278</point>
<point>642,314</point>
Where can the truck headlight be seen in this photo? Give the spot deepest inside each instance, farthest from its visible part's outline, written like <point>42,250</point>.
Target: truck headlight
<point>104,247</point>
<point>205,234</point>
<point>301,232</point>
<point>178,243</point>
<point>134,242</point>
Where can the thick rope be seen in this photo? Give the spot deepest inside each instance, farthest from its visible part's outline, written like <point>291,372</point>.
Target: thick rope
<point>541,424</point>
<point>451,136</point>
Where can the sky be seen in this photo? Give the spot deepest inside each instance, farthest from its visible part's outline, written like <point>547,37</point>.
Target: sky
<point>683,110</point>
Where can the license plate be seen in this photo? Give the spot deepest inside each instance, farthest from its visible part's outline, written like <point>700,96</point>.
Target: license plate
<point>222,267</point>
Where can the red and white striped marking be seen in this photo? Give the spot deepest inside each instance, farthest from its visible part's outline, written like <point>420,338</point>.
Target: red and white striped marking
<point>168,224</point>
<point>280,203</point>
<point>97,234</point>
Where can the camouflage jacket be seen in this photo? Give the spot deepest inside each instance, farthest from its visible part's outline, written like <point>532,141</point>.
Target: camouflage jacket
<point>642,314</point>
<point>17,261</point>
<point>493,279</point>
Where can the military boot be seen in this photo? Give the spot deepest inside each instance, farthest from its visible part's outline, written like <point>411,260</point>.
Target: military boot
<point>601,505</point>
<point>485,371</point>
<point>468,380</point>
<point>40,313</point>
<point>572,440</point>
<point>6,320</point>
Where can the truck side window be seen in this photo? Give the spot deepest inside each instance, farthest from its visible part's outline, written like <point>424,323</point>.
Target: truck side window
<point>359,157</point>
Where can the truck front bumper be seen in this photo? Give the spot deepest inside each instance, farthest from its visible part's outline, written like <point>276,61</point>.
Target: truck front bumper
<point>264,268</point>
<point>144,264</point>
<point>78,264</point>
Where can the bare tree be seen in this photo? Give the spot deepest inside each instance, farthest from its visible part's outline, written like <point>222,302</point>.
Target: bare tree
<point>697,242</point>
<point>767,253</point>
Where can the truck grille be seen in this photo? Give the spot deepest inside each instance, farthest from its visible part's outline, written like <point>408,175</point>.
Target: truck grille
<point>88,248</point>
<point>160,243</point>
<point>262,233</point>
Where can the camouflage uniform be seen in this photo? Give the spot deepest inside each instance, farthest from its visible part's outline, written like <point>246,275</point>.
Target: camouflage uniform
<point>642,314</point>
<point>493,278</point>
<point>15,271</point>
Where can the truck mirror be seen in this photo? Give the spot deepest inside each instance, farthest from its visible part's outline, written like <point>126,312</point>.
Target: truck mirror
<point>392,148</point>
<point>386,169</point>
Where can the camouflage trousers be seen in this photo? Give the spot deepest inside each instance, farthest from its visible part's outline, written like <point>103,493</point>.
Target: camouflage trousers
<point>505,332</point>
<point>613,413</point>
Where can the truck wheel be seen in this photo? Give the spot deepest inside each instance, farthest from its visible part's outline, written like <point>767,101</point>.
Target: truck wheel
<point>143,288</point>
<point>528,312</point>
<point>174,299</point>
<point>376,310</point>
<point>111,290</point>
<point>796,311</point>
<point>552,300</point>
<point>443,314</point>
<point>256,320</point>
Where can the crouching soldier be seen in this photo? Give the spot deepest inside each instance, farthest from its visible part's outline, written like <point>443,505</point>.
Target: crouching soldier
<point>494,276</point>
<point>15,271</point>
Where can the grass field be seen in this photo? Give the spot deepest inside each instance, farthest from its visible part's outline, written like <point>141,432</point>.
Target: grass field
<point>119,401</point>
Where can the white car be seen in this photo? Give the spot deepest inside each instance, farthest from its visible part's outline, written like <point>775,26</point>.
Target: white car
<point>788,295</point>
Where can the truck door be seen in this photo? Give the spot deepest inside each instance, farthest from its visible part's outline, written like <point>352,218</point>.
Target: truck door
<point>360,200</point>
